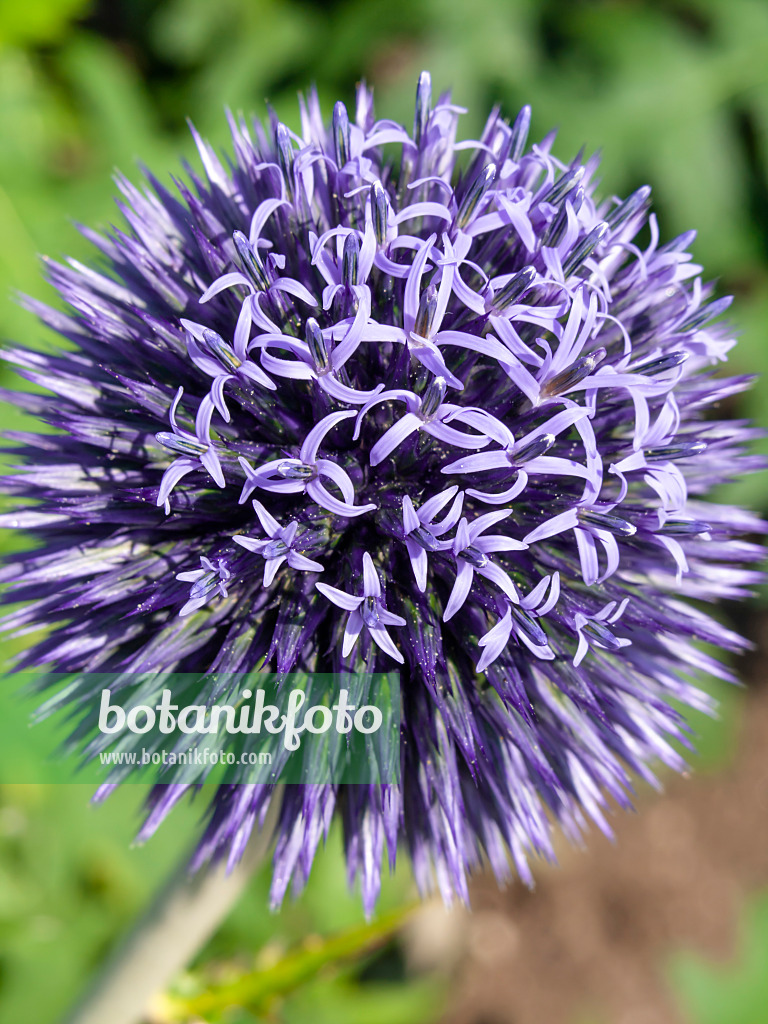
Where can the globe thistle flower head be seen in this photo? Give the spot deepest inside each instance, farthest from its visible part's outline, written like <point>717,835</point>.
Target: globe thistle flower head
<point>365,397</point>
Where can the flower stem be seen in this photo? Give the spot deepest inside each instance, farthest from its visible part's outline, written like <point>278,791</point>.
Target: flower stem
<point>184,914</point>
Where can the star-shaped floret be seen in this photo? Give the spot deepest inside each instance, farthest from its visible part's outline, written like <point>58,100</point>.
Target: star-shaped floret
<point>196,450</point>
<point>288,476</point>
<point>471,552</point>
<point>368,611</point>
<point>281,546</point>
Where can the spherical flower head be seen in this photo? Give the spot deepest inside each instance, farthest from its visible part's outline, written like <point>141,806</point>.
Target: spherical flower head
<point>338,405</point>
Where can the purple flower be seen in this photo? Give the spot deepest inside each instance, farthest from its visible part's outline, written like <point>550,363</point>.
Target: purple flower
<point>592,630</point>
<point>305,473</point>
<point>196,450</point>
<point>430,414</point>
<point>475,401</point>
<point>518,620</point>
<point>589,523</point>
<point>224,362</point>
<point>422,533</point>
<point>367,610</point>
<point>281,546</point>
<point>470,550</point>
<point>315,361</point>
<point>206,581</point>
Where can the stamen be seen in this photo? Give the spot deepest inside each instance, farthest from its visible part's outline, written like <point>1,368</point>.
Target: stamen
<point>668,362</point>
<point>284,147</point>
<point>680,450</point>
<point>632,204</point>
<point>573,374</point>
<point>425,316</point>
<point>532,450</point>
<point>515,288</point>
<point>274,549</point>
<point>350,259</point>
<point>433,398</point>
<point>475,195</point>
<point>370,612</point>
<point>559,223</point>
<point>250,261</point>
<point>683,528</point>
<point>563,186</point>
<point>297,471</point>
<point>585,248</point>
<point>474,556</point>
<point>520,134</point>
<point>598,631</point>
<point>606,521</point>
<point>204,586</point>
<point>181,445</point>
<point>341,134</point>
<point>221,350</point>
<point>425,538</point>
<point>317,346</point>
<point>528,625</point>
<point>379,211</point>
<point>423,106</point>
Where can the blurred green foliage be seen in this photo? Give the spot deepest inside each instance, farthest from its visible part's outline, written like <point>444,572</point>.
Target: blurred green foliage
<point>278,975</point>
<point>37,22</point>
<point>677,93</point>
<point>735,992</point>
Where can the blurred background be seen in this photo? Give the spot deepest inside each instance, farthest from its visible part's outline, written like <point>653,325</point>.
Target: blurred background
<point>668,925</point>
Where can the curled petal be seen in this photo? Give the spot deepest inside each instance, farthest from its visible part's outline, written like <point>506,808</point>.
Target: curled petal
<point>326,500</point>
<point>481,463</point>
<point>293,369</point>
<point>496,575</point>
<point>217,395</point>
<point>501,497</point>
<point>433,505</point>
<point>590,568</point>
<point>558,524</point>
<point>295,288</point>
<point>175,472</point>
<point>413,284</point>
<point>269,523</point>
<point>224,282</point>
<point>242,333</point>
<point>394,437</point>
<point>349,343</point>
<point>260,217</point>
<point>251,543</point>
<point>341,393</point>
<point>210,461</point>
<point>339,476</point>
<point>419,563</point>
<point>495,641</point>
<point>317,433</point>
<point>410,519</point>
<point>457,438</point>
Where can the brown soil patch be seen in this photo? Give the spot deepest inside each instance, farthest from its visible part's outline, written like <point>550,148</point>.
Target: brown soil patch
<point>590,943</point>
